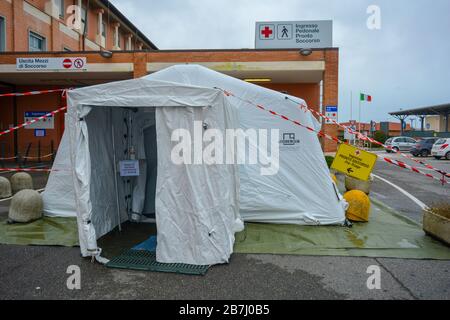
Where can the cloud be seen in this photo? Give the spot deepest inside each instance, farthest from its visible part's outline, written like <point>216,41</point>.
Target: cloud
<point>403,65</point>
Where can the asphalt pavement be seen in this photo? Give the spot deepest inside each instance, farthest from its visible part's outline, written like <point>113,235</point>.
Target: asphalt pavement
<point>41,272</point>
<point>427,190</point>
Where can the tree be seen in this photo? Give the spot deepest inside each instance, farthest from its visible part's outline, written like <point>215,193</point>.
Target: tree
<point>380,136</point>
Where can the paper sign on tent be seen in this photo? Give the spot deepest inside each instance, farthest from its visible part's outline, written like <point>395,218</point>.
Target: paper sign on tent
<point>354,162</point>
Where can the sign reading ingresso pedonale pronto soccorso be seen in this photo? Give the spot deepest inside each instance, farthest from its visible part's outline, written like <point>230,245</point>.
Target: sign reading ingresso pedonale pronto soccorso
<point>51,64</point>
<point>294,35</point>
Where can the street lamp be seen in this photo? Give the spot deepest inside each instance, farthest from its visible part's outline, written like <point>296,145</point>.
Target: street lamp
<point>106,54</point>
<point>306,52</point>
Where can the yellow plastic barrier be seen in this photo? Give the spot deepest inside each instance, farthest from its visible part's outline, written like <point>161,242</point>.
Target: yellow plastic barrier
<point>359,206</point>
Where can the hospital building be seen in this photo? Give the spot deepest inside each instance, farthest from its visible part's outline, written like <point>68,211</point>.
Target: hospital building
<point>42,47</point>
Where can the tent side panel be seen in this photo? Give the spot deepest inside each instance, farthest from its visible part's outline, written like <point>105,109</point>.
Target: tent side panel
<point>59,194</point>
<point>302,191</point>
<point>197,205</point>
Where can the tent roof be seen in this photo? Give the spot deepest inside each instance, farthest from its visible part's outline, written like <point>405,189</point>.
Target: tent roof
<point>138,93</point>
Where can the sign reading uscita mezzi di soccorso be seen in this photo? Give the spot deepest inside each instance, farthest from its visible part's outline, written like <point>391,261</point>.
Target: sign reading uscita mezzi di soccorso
<point>291,34</point>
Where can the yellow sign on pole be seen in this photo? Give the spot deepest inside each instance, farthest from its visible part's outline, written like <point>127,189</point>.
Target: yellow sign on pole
<point>354,162</point>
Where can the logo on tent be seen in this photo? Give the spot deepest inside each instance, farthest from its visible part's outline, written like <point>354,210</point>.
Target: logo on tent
<point>289,139</point>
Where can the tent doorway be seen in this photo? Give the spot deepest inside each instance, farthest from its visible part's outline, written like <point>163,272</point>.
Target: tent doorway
<point>151,154</point>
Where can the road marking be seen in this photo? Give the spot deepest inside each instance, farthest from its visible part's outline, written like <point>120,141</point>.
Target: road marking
<point>422,205</point>
<point>7,199</point>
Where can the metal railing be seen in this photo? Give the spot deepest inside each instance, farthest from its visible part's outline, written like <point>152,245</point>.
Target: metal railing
<point>36,153</point>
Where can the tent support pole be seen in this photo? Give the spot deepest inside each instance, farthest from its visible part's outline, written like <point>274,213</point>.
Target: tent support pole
<point>115,171</point>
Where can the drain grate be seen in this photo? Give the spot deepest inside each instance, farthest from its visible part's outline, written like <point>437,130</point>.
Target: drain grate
<point>146,261</point>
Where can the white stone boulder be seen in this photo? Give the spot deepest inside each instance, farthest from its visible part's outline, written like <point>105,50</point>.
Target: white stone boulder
<point>5,188</point>
<point>26,206</point>
<point>21,181</point>
<point>355,184</point>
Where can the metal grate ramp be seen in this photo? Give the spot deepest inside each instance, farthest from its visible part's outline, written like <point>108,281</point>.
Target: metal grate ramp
<point>146,261</point>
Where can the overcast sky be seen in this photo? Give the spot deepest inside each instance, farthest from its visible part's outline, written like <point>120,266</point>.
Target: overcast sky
<point>404,65</point>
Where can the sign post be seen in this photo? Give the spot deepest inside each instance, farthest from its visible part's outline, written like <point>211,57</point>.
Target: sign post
<point>129,168</point>
<point>354,162</point>
<point>331,112</point>
<point>294,34</point>
<point>47,123</point>
<point>51,64</point>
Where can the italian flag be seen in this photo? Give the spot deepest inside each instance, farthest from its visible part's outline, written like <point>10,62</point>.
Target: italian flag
<point>366,97</point>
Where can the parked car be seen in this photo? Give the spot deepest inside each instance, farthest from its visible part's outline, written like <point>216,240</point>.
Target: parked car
<point>441,149</point>
<point>400,144</point>
<point>423,147</point>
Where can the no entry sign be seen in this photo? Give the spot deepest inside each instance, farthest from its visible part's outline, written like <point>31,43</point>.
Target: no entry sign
<point>67,63</point>
<point>51,64</point>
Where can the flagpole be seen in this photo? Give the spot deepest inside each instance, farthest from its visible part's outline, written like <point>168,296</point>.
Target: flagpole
<point>359,130</point>
<point>351,105</point>
<point>352,141</point>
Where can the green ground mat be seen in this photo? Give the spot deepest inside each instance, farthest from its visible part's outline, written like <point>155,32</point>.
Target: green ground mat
<point>146,261</point>
<point>44,232</point>
<point>387,235</point>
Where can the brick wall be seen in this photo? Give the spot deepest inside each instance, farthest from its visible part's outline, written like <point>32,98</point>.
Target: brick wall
<point>19,23</point>
<point>331,95</point>
<point>48,102</point>
<point>310,92</point>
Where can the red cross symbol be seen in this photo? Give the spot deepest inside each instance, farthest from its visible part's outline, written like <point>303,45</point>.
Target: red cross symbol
<point>267,32</point>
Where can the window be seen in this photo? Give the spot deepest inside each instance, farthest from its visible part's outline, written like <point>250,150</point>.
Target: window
<point>84,23</point>
<point>36,42</point>
<point>117,39</point>
<point>104,29</point>
<point>121,42</point>
<point>2,34</point>
<point>61,8</point>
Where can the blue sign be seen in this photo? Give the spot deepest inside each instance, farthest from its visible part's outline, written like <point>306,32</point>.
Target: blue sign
<point>40,133</point>
<point>46,123</point>
<point>332,109</point>
<point>36,114</point>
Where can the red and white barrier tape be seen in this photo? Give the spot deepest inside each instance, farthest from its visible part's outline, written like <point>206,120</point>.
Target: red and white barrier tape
<point>413,169</point>
<point>30,170</point>
<point>321,133</point>
<point>6,159</point>
<point>37,158</point>
<point>23,170</point>
<point>28,158</point>
<point>366,138</point>
<point>50,114</point>
<point>329,137</point>
<point>30,93</point>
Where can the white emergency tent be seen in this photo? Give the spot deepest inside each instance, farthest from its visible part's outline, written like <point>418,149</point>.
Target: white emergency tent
<point>302,192</point>
<point>198,208</point>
